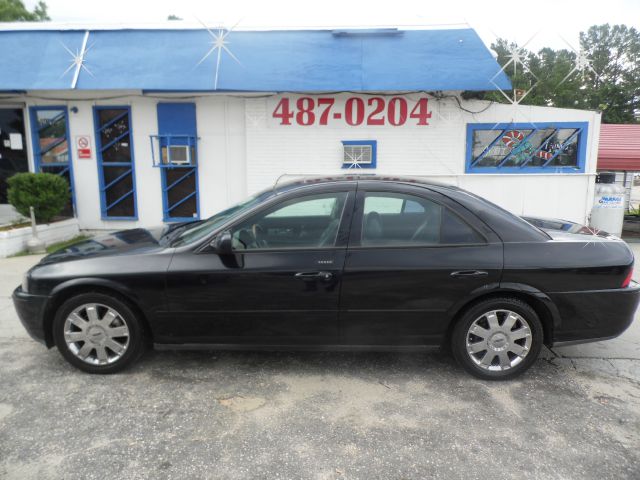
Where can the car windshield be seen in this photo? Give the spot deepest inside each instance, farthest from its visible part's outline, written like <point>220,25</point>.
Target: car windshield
<point>195,231</point>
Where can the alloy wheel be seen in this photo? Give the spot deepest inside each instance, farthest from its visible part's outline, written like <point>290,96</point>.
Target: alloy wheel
<point>498,340</point>
<point>96,334</point>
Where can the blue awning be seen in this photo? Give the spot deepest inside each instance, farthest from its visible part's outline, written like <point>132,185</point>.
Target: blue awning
<point>248,61</point>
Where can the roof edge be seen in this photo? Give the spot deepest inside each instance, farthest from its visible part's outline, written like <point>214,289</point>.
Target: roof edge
<point>197,25</point>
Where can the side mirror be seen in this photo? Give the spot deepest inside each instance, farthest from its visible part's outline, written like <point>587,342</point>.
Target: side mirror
<point>222,243</point>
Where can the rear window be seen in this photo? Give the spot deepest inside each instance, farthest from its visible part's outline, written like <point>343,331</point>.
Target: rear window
<point>393,219</point>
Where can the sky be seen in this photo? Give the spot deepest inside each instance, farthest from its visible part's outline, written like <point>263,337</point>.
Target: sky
<point>538,23</point>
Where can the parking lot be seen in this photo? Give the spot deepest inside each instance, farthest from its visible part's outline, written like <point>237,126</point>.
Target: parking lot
<point>575,414</point>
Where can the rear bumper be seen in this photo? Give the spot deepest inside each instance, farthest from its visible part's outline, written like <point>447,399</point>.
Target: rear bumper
<point>593,315</point>
<point>30,309</point>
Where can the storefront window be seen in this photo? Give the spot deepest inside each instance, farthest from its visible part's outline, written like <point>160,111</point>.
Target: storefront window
<point>522,148</point>
<point>52,136</point>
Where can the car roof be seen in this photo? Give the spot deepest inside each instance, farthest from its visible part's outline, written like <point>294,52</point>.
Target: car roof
<point>287,182</point>
<point>509,227</point>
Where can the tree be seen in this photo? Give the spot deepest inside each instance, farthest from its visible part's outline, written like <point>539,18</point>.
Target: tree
<point>173,17</point>
<point>15,11</point>
<point>611,83</point>
<point>614,52</point>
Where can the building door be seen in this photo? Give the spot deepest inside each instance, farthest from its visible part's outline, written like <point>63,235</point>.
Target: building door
<point>13,151</point>
<point>51,152</point>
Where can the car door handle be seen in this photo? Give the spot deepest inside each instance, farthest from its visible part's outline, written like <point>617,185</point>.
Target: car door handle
<point>469,273</point>
<point>325,276</point>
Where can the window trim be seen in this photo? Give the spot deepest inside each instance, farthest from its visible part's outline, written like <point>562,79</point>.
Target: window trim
<point>374,154</point>
<point>583,132</point>
<point>103,194</point>
<point>355,238</point>
<point>35,145</point>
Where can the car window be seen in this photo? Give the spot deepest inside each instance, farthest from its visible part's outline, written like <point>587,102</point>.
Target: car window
<point>308,208</point>
<point>307,222</point>
<point>391,219</point>
<point>391,205</point>
<point>195,231</point>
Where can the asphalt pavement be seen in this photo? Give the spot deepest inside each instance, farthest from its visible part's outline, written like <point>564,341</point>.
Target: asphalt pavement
<point>243,415</point>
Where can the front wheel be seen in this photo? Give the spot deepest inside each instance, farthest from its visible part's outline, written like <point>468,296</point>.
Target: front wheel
<point>497,339</point>
<point>98,333</point>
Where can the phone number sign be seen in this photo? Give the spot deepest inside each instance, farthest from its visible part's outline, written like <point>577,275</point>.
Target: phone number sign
<point>353,111</point>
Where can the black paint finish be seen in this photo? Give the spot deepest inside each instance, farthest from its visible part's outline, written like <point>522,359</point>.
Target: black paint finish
<point>348,294</point>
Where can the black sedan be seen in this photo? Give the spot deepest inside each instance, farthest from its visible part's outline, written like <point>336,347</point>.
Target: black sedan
<point>357,262</point>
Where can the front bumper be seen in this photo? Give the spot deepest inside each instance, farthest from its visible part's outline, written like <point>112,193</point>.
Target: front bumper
<point>589,316</point>
<point>30,310</point>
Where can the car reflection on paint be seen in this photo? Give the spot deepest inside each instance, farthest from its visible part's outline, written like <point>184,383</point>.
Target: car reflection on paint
<point>567,226</point>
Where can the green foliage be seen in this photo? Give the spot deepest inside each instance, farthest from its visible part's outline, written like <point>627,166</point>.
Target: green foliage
<point>612,85</point>
<point>173,17</point>
<point>47,193</point>
<point>15,11</point>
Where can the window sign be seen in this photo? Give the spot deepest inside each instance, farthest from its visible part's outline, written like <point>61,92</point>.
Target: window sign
<point>521,148</point>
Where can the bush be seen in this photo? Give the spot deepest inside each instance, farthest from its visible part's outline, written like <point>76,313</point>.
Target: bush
<point>47,193</point>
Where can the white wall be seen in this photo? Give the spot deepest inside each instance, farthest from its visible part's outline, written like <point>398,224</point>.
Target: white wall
<point>242,149</point>
<point>436,151</point>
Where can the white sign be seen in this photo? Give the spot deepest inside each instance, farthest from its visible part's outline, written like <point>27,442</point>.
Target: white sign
<point>15,140</point>
<point>83,146</point>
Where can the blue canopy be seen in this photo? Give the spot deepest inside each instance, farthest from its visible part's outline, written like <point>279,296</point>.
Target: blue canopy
<point>247,61</point>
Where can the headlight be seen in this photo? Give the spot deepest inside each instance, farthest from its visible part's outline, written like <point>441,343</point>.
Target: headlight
<point>25,283</point>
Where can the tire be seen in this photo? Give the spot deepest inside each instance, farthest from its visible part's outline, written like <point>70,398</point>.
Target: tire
<point>98,333</point>
<point>497,339</point>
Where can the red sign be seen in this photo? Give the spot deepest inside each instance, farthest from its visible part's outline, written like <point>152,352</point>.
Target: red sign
<point>354,111</point>
<point>83,146</point>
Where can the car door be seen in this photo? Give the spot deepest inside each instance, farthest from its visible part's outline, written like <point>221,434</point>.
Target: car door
<point>414,255</point>
<point>281,286</point>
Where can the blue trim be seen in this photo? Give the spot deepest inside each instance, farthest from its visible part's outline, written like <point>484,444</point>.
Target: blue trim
<point>37,153</point>
<point>177,126</point>
<point>374,153</point>
<point>104,208</point>
<point>582,132</point>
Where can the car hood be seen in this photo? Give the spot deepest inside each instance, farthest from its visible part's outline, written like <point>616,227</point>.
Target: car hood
<point>123,242</point>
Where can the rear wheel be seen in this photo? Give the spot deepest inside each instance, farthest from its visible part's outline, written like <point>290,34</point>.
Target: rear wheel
<point>98,333</point>
<point>497,339</point>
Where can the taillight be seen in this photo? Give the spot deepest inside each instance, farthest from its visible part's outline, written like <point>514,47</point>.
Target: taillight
<point>627,279</point>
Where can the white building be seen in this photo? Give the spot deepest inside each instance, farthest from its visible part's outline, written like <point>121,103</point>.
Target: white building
<point>153,125</point>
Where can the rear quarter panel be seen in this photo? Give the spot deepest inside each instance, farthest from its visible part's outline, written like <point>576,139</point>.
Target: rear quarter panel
<point>582,277</point>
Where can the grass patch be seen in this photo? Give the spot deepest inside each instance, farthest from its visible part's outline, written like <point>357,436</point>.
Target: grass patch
<point>12,226</point>
<point>57,246</point>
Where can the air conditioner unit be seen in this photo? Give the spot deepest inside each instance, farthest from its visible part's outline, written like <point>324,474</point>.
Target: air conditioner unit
<point>177,155</point>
